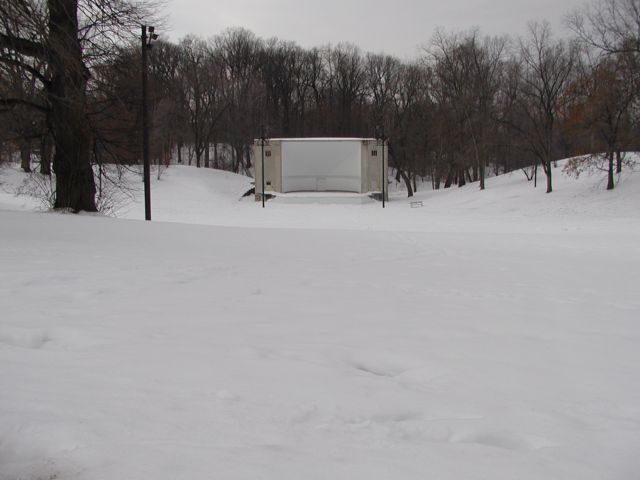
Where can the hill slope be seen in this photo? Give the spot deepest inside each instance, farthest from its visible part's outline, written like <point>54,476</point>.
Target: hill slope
<point>205,196</point>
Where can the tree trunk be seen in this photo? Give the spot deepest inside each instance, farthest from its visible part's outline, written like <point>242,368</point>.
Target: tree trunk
<point>179,152</point>
<point>461,173</point>
<point>618,161</point>
<point>207,162</point>
<point>75,185</point>
<point>407,182</point>
<point>549,174</point>
<point>238,159</point>
<point>247,156</point>
<point>216,163</point>
<point>610,182</point>
<point>450,176</point>
<point>45,155</point>
<point>25,156</point>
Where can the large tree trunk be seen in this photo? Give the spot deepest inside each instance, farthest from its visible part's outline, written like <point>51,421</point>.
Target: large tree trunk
<point>75,186</point>
<point>207,162</point>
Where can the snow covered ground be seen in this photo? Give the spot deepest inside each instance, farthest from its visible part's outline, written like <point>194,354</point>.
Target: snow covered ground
<point>486,335</point>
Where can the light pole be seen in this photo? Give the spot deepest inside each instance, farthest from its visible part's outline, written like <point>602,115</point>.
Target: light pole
<point>262,167</point>
<point>146,45</point>
<point>383,173</point>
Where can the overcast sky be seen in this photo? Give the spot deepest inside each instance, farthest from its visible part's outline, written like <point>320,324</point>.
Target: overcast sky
<point>398,27</point>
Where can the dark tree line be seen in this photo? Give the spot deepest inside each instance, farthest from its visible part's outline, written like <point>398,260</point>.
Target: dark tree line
<point>471,106</point>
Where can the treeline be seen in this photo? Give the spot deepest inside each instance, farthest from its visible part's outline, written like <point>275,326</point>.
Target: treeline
<point>470,106</point>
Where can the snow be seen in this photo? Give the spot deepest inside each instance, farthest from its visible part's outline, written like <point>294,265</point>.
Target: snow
<point>486,335</point>
<point>322,139</point>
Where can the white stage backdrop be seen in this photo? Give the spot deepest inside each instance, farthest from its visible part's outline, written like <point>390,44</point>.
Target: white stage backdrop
<point>320,166</point>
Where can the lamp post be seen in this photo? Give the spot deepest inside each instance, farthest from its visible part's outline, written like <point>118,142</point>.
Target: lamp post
<point>262,167</point>
<point>383,173</point>
<point>146,45</point>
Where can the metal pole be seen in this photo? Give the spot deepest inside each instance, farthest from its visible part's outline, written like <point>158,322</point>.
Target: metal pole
<point>145,130</point>
<point>384,179</point>
<point>262,138</point>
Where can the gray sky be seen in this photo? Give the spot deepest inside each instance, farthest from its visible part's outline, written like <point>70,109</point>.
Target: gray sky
<point>398,27</point>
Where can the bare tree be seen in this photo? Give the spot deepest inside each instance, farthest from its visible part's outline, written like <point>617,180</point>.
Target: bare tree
<point>409,117</point>
<point>240,51</point>
<point>169,110</point>
<point>346,88</point>
<point>57,41</point>
<point>468,68</point>
<point>202,75</point>
<point>282,66</point>
<point>602,109</point>
<point>23,124</point>
<point>382,82</point>
<point>547,66</point>
<point>612,26</point>
<point>612,29</point>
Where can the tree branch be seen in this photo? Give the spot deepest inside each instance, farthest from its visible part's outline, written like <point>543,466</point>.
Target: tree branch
<point>22,46</point>
<point>9,103</point>
<point>33,71</point>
